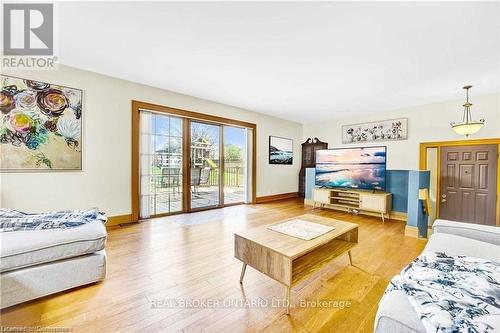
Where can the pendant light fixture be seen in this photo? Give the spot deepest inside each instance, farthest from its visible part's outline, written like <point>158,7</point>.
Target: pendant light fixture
<point>467,126</point>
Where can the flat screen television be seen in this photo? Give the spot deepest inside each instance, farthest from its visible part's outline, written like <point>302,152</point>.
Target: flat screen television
<point>355,168</point>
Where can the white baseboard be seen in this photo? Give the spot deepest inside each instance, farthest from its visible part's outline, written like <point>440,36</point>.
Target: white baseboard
<point>308,202</point>
<point>412,231</point>
<point>400,216</point>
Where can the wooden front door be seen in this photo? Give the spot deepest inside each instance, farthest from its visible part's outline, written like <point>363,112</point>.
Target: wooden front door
<point>468,183</point>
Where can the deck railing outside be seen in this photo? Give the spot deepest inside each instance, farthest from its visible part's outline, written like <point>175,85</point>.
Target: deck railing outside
<point>234,175</point>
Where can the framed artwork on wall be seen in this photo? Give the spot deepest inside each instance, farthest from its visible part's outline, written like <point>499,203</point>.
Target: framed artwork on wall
<point>280,150</point>
<point>40,126</point>
<point>385,130</point>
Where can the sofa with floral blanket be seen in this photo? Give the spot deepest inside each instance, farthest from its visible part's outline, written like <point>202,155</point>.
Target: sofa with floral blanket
<point>45,253</point>
<point>453,286</point>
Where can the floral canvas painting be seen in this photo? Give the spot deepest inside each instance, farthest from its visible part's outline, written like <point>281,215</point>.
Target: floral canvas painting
<point>40,126</point>
<point>386,130</point>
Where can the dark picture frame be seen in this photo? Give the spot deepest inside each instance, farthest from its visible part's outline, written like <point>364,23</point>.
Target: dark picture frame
<point>280,150</point>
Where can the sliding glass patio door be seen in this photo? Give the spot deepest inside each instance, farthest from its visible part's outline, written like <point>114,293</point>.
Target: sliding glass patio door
<point>161,160</point>
<point>235,164</point>
<point>205,171</point>
<point>187,164</point>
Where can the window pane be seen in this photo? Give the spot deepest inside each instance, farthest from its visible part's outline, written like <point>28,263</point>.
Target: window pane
<point>175,127</point>
<point>234,164</point>
<point>146,185</point>
<point>146,122</point>
<point>161,125</point>
<point>162,203</point>
<point>160,164</point>
<point>161,144</point>
<point>205,180</point>
<point>175,146</point>
<point>146,143</point>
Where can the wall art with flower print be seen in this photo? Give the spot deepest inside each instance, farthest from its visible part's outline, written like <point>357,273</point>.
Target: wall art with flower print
<point>386,130</point>
<point>40,126</point>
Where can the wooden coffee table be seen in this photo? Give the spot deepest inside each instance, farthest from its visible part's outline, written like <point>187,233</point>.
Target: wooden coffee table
<point>289,260</point>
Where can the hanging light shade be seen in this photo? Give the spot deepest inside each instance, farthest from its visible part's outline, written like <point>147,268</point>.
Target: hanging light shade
<point>467,126</point>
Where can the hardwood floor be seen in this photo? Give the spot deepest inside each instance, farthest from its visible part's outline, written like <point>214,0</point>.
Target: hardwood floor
<point>160,260</point>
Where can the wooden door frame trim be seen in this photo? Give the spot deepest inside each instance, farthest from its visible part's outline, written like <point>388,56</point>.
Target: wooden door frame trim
<point>191,115</point>
<point>222,175</point>
<point>474,142</point>
<point>186,170</point>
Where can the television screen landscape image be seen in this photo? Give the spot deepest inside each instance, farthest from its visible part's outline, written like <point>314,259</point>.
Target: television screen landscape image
<point>356,168</point>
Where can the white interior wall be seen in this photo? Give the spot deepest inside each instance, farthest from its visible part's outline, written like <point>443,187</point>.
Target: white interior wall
<point>105,179</point>
<point>425,123</point>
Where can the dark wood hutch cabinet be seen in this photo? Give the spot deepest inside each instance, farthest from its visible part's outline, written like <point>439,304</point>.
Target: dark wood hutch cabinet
<point>309,149</point>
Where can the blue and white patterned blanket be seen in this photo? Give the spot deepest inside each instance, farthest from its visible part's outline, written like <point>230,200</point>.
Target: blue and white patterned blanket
<point>13,220</point>
<point>452,293</point>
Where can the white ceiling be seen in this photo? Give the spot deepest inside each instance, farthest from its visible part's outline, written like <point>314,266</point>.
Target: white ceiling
<point>300,61</point>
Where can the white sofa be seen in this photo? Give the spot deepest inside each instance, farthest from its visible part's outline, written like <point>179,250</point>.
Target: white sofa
<point>395,313</point>
<point>37,263</point>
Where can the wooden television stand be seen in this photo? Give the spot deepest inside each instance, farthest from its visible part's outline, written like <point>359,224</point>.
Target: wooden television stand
<point>350,200</point>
